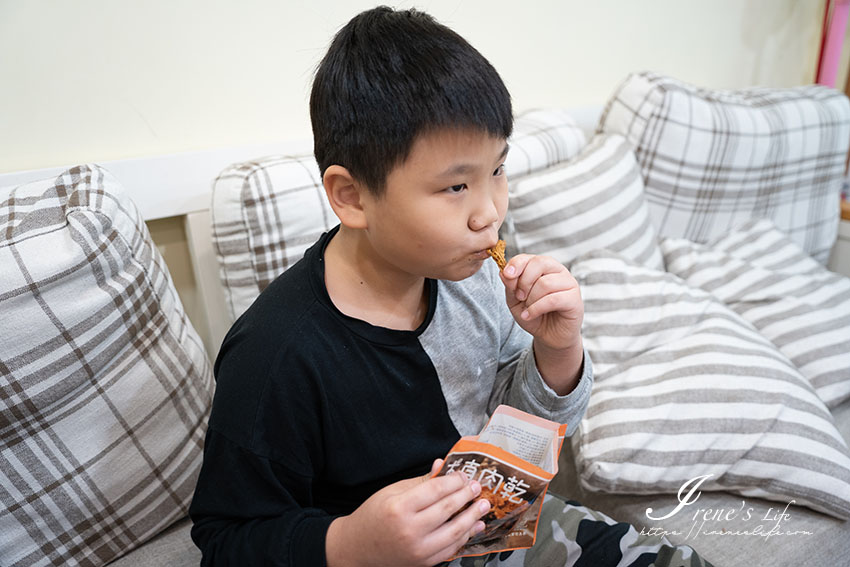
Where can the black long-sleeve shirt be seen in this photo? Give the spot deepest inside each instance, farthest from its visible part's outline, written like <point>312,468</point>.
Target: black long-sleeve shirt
<point>314,411</point>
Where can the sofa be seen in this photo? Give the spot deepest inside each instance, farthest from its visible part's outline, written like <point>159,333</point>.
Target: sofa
<point>698,223</point>
<point>106,386</point>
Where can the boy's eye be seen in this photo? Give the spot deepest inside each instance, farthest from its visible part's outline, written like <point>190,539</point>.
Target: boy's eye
<point>499,171</point>
<point>456,188</point>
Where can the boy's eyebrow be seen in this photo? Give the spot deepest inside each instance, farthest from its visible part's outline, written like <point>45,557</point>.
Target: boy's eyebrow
<point>504,153</point>
<point>463,168</point>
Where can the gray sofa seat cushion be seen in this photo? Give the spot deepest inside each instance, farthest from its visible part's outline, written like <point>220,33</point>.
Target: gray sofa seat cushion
<point>807,537</point>
<point>171,548</point>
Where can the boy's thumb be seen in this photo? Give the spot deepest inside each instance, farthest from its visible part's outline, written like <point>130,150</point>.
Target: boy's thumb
<point>435,468</point>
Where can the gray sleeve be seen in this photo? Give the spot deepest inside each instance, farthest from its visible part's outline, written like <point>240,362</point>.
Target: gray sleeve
<point>483,358</point>
<point>519,383</point>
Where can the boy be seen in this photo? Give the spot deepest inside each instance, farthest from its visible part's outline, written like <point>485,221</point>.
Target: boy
<point>356,369</point>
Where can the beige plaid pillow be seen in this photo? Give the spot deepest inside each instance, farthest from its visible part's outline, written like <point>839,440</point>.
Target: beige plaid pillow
<point>713,159</point>
<point>105,385</point>
<point>265,215</point>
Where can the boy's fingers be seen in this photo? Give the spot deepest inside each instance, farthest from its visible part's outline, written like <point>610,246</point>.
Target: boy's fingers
<point>453,534</point>
<point>452,549</point>
<point>552,283</point>
<point>558,301</point>
<point>510,275</point>
<point>532,272</point>
<point>432,490</point>
<point>543,286</point>
<point>516,264</point>
<point>439,512</point>
<point>514,268</point>
<point>435,468</point>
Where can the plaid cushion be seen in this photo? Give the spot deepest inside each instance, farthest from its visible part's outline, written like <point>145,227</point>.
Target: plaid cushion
<point>593,201</point>
<point>712,159</point>
<point>685,387</point>
<point>802,307</point>
<point>105,386</point>
<point>266,213</point>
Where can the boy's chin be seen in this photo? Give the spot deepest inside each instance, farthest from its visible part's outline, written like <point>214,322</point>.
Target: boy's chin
<point>458,273</point>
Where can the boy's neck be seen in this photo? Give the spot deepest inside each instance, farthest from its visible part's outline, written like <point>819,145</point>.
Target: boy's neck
<point>360,285</point>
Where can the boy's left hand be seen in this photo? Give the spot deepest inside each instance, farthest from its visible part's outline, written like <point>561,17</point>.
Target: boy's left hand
<point>545,300</point>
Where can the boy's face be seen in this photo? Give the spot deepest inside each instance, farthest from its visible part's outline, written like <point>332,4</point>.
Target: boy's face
<point>442,207</point>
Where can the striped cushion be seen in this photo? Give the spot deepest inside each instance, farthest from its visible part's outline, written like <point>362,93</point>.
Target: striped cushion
<point>684,387</point>
<point>266,213</point>
<point>593,201</point>
<point>105,385</point>
<point>714,159</point>
<point>803,308</point>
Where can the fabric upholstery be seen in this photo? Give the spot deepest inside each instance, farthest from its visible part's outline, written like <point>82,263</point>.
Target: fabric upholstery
<point>802,307</point>
<point>105,385</point>
<point>714,159</point>
<point>171,548</point>
<point>265,214</point>
<point>593,201</point>
<point>726,529</point>
<point>684,387</point>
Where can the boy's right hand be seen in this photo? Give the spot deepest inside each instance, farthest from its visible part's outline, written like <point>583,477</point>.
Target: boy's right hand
<point>408,523</point>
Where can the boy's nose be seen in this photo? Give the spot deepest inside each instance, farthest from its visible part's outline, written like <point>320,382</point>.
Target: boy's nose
<point>485,215</point>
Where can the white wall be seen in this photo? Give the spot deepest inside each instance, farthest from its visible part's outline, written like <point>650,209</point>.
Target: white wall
<point>99,80</point>
<point>95,80</point>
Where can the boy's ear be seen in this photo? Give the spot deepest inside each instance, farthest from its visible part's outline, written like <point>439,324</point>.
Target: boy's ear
<point>345,196</point>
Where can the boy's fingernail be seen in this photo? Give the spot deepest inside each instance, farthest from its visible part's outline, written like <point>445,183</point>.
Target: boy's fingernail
<point>520,295</point>
<point>510,271</point>
<point>476,489</point>
<point>483,506</point>
<point>524,314</point>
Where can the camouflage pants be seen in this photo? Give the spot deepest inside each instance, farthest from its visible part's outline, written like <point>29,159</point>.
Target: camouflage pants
<point>570,535</point>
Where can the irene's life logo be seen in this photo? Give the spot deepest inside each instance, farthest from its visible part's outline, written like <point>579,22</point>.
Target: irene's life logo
<point>691,486</point>
<point>740,520</point>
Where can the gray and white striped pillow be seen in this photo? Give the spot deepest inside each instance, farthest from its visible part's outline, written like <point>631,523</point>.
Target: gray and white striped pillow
<point>684,387</point>
<point>802,307</point>
<point>713,159</point>
<point>593,201</point>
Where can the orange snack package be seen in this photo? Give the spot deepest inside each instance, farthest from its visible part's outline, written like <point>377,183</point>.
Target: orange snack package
<point>513,459</point>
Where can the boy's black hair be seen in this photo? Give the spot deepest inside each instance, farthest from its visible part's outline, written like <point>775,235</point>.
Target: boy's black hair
<point>389,76</point>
